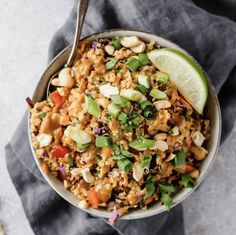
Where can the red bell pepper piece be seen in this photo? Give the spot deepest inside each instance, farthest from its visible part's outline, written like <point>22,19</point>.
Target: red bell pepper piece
<point>59,151</point>
<point>57,99</point>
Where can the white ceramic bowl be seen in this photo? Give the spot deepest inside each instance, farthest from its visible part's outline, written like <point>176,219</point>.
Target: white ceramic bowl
<point>213,113</point>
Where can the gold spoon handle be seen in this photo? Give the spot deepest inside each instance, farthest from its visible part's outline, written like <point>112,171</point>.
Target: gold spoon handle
<point>81,12</point>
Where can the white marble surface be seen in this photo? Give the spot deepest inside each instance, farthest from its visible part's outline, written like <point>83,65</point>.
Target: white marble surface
<point>26,30</point>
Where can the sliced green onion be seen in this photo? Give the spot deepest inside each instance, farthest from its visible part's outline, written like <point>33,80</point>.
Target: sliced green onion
<point>42,115</point>
<point>142,144</point>
<point>122,118</point>
<point>145,162</point>
<point>144,80</point>
<point>141,89</point>
<point>166,200</point>
<point>80,137</point>
<point>132,63</point>
<point>111,63</point>
<point>143,59</point>
<point>162,78</point>
<point>131,94</point>
<point>150,188</point>
<point>146,105</point>
<point>179,158</point>
<point>124,165</point>
<point>114,109</point>
<point>92,107</point>
<point>187,181</point>
<point>157,94</point>
<point>103,141</point>
<point>116,43</point>
<point>81,147</point>
<point>148,113</point>
<point>117,99</point>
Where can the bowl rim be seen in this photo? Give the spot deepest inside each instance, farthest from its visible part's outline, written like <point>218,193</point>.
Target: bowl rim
<point>160,208</point>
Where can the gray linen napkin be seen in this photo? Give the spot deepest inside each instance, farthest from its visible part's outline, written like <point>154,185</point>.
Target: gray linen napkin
<point>211,39</point>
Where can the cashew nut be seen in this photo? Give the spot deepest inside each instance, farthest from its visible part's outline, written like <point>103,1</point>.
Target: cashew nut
<point>162,104</point>
<point>44,139</point>
<point>161,145</point>
<point>87,176</point>
<point>175,131</point>
<point>107,90</point>
<point>137,171</point>
<point>64,78</point>
<point>194,174</point>
<point>75,172</point>
<point>83,204</point>
<point>139,48</point>
<point>198,138</point>
<point>170,157</point>
<point>131,41</point>
<point>109,49</point>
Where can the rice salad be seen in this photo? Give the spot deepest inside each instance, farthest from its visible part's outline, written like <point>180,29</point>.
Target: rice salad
<point>116,131</point>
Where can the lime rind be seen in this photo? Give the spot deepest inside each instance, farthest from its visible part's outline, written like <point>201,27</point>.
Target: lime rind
<point>185,72</point>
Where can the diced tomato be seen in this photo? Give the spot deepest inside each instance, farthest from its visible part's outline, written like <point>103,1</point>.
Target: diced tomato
<point>57,99</point>
<point>93,198</point>
<point>59,151</point>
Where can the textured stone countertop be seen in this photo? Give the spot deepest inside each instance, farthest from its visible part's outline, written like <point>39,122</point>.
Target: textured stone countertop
<point>26,30</point>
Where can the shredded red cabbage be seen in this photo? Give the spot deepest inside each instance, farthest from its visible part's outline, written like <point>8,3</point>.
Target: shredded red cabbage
<point>62,173</point>
<point>101,131</point>
<point>113,217</point>
<point>29,102</point>
<point>45,154</point>
<point>94,45</point>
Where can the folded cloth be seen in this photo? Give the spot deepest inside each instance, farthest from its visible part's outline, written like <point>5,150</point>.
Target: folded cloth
<point>211,39</point>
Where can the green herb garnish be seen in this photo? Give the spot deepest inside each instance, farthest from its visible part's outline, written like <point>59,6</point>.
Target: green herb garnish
<point>145,162</point>
<point>122,118</point>
<point>150,188</point>
<point>121,153</point>
<point>111,63</point>
<point>187,181</point>
<point>167,188</point>
<point>103,141</point>
<point>179,158</point>
<point>166,200</point>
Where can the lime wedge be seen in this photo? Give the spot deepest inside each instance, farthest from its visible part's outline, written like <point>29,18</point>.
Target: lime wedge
<point>185,72</point>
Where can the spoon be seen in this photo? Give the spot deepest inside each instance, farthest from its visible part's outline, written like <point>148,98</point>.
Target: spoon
<point>81,12</point>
